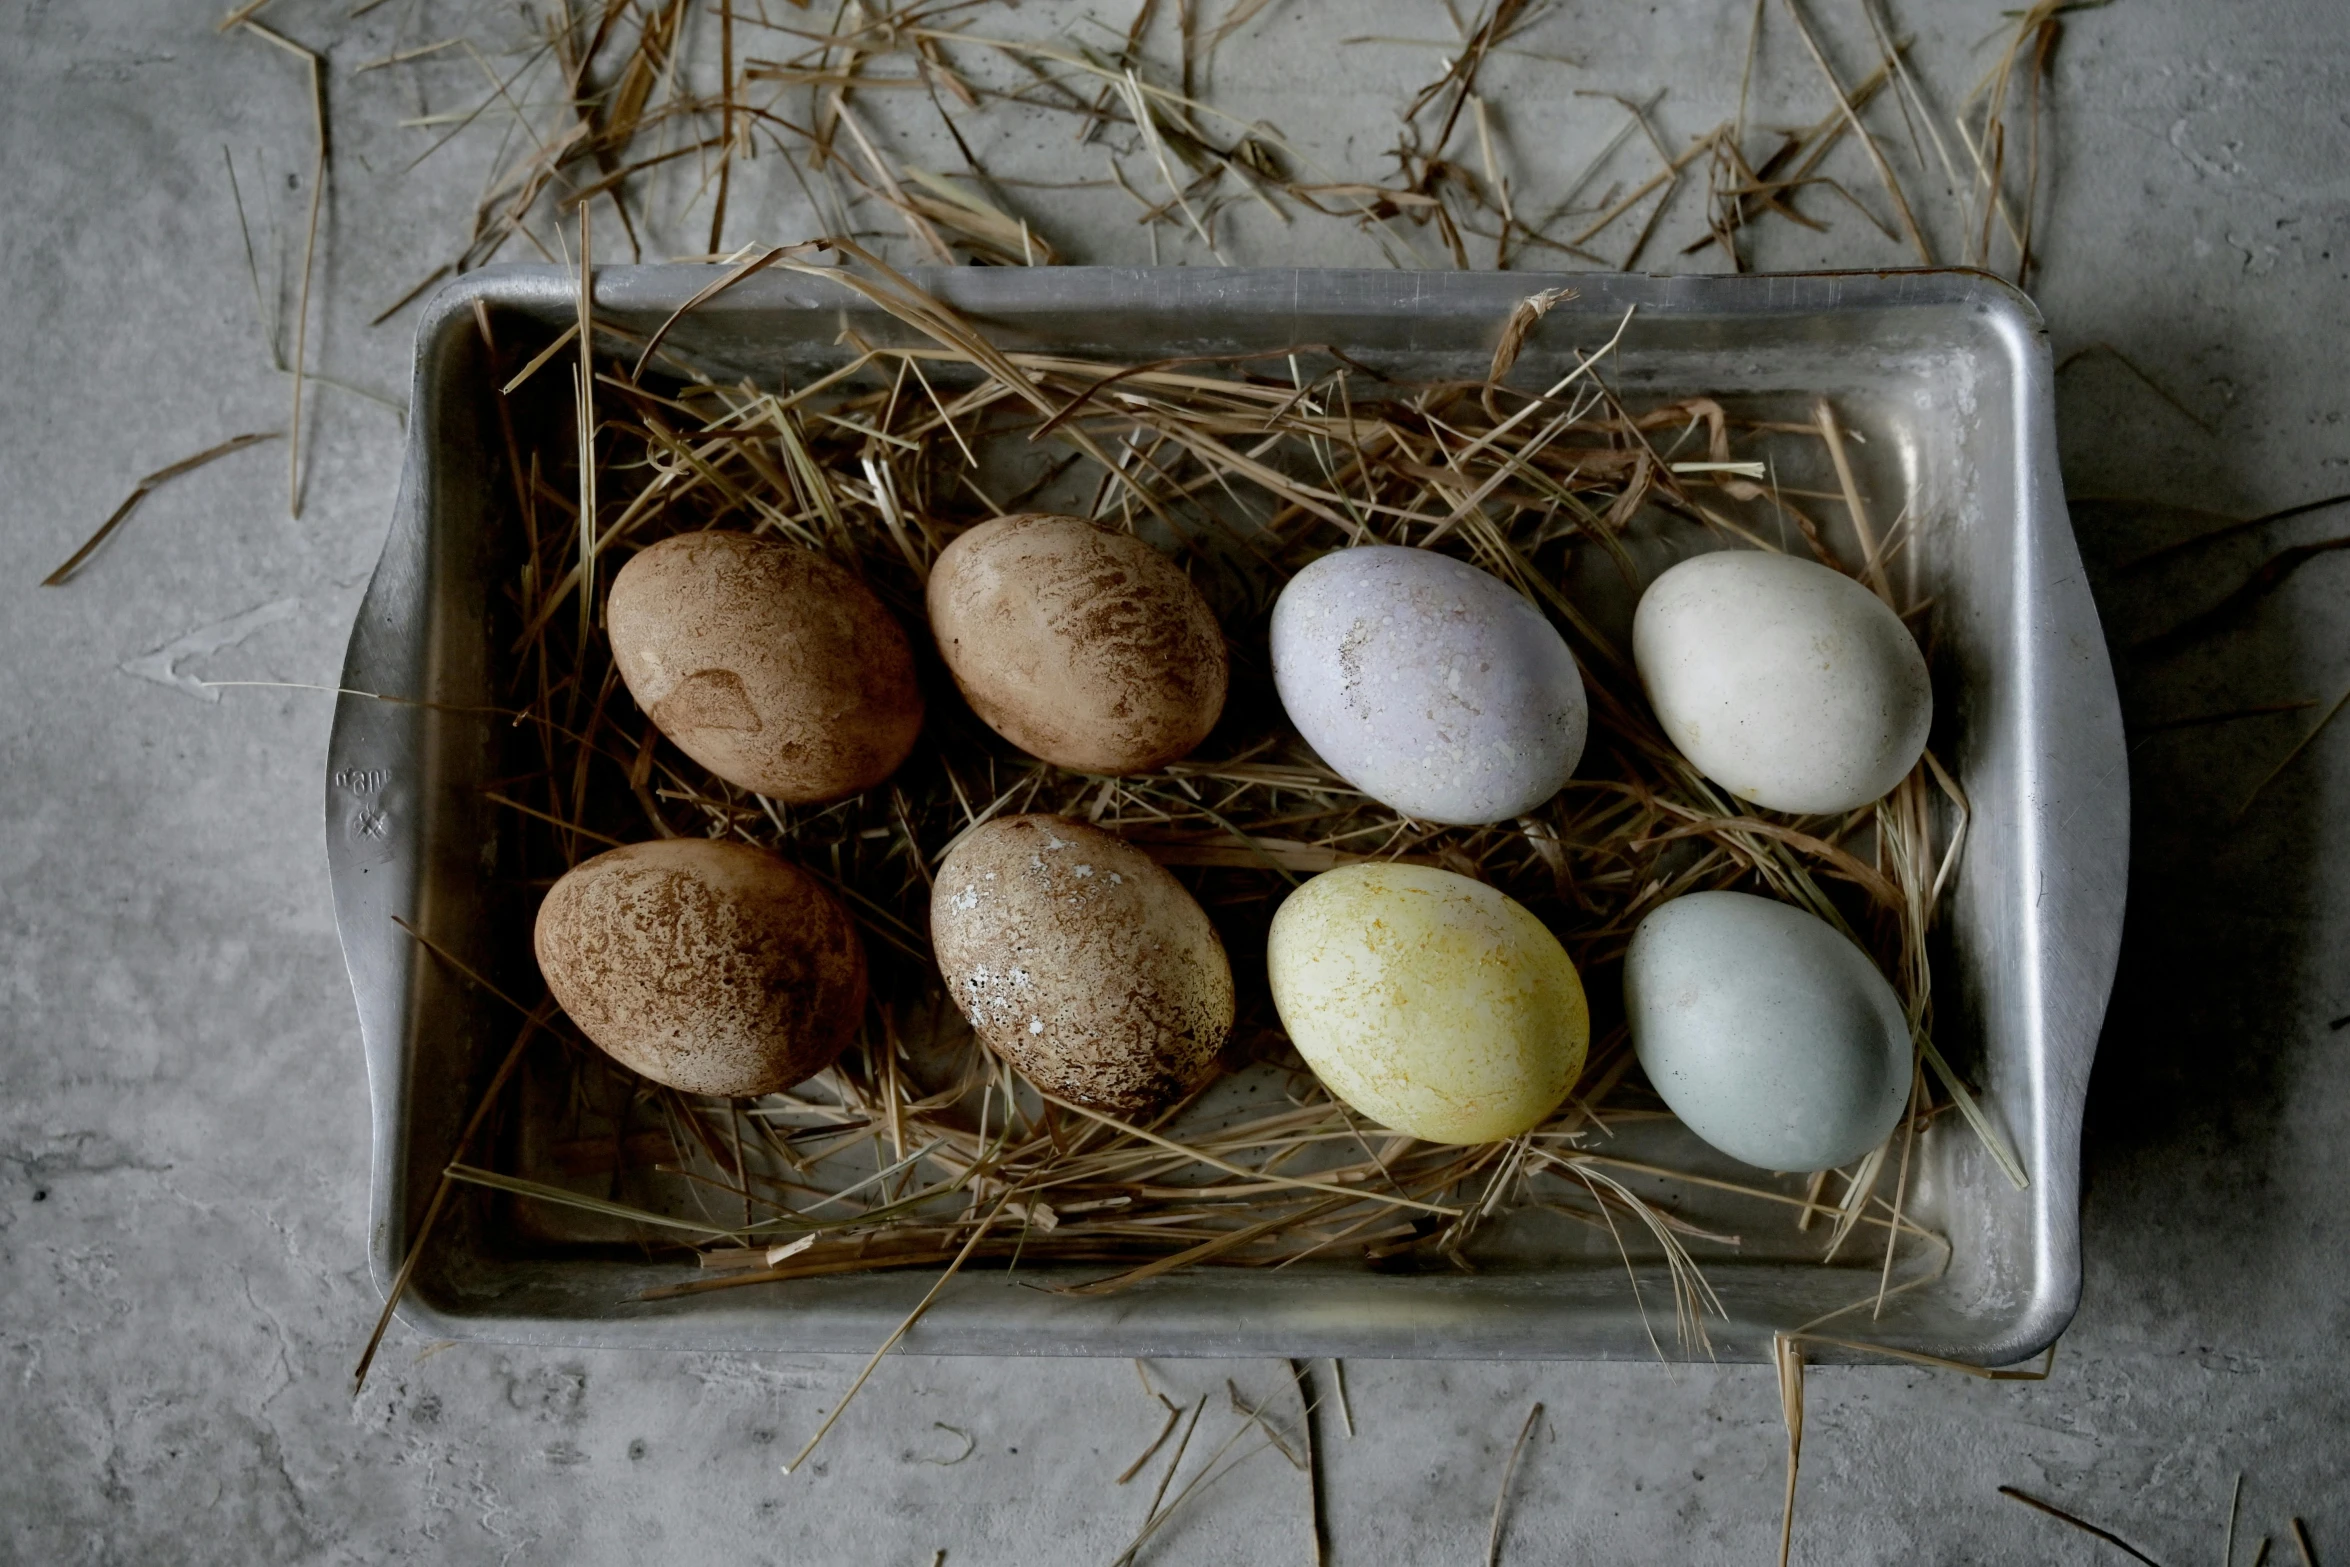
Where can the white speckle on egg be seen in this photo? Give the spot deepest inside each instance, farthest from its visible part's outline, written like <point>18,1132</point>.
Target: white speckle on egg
<point>1787,683</point>
<point>1432,686</point>
<point>1766,1031</point>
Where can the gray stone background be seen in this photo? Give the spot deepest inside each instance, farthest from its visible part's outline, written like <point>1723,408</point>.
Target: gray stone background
<point>183,1126</point>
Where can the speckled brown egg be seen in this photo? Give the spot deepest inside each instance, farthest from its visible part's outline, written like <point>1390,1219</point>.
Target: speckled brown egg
<point>1078,959</point>
<point>712,967</point>
<point>768,664</point>
<point>1080,645</point>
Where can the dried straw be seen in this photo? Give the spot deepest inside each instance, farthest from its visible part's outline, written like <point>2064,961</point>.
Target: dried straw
<point>2082,1524</point>
<point>1501,1497</point>
<point>140,491</point>
<point>317,68</point>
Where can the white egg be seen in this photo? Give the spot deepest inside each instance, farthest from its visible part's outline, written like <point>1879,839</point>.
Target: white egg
<point>1767,1032</point>
<point>1787,683</point>
<point>1430,685</point>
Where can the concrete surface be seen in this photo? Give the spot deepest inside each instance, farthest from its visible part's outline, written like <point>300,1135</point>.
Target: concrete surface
<point>182,1114</point>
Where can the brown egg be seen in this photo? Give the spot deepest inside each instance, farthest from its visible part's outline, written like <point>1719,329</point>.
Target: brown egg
<point>769,665</point>
<point>1082,646</point>
<point>717,968</point>
<point>1078,959</point>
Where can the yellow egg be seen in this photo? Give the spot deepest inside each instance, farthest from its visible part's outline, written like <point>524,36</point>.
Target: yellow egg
<point>1428,1001</point>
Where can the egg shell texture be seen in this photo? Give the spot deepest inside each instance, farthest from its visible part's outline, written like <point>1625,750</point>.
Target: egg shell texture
<point>1081,961</point>
<point>1429,1001</point>
<point>1787,683</point>
<point>768,664</point>
<point>1772,1036</point>
<point>1082,646</point>
<point>1429,684</point>
<point>716,968</point>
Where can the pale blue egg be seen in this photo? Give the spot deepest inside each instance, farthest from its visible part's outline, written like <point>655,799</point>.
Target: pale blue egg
<point>1766,1031</point>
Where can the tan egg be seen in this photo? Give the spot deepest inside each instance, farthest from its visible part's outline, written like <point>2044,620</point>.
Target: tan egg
<point>1080,645</point>
<point>716,968</point>
<point>768,664</point>
<point>1078,959</point>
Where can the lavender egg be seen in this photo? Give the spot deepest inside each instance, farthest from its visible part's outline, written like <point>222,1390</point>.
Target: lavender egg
<point>1430,685</point>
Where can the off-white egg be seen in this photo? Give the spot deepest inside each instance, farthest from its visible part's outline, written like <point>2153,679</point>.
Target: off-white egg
<point>1772,1036</point>
<point>1787,683</point>
<point>1430,1002</point>
<point>1430,685</point>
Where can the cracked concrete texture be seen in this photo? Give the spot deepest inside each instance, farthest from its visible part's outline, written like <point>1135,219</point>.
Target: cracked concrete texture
<point>182,1112</point>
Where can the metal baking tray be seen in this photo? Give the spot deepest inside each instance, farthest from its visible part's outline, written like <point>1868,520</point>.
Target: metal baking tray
<point>1947,374</point>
